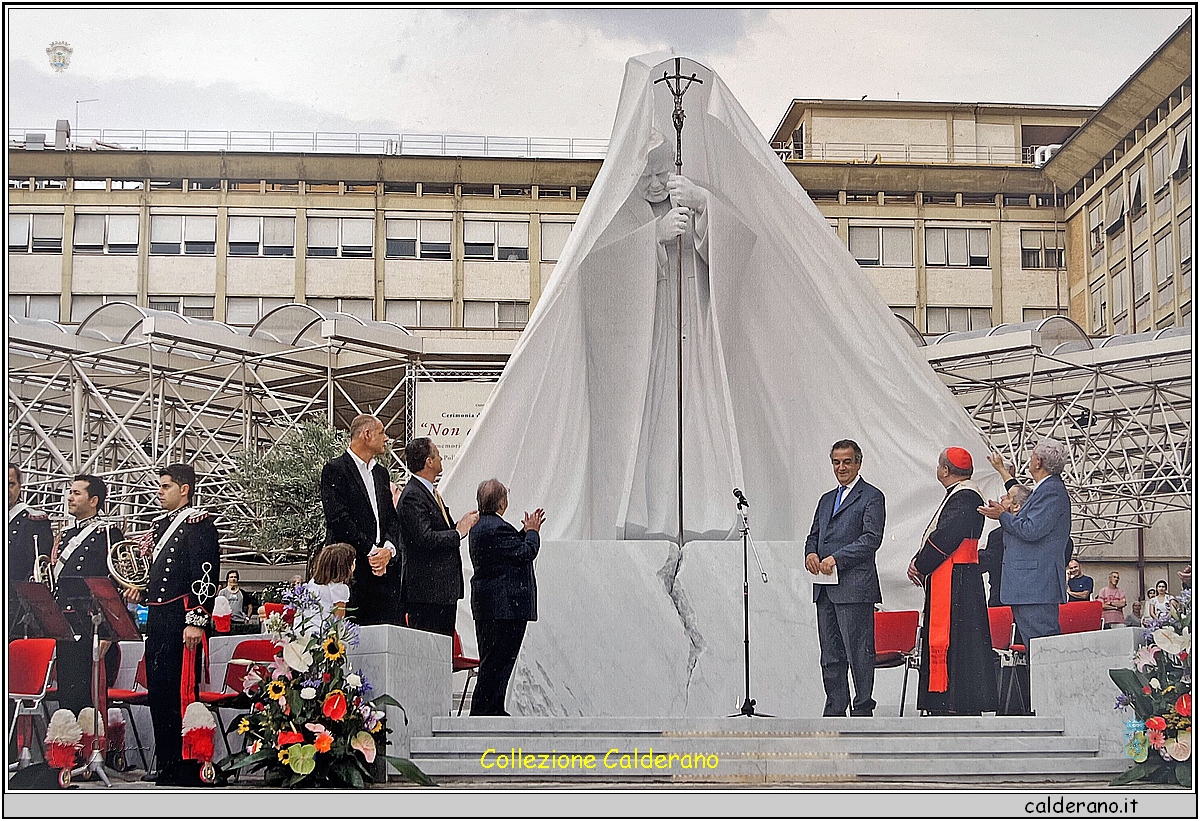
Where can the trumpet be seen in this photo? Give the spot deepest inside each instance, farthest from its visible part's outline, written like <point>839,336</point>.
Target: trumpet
<point>129,563</point>
<point>43,572</point>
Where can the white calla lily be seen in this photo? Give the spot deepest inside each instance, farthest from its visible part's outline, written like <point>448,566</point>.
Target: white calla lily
<point>1170,641</point>
<point>296,654</point>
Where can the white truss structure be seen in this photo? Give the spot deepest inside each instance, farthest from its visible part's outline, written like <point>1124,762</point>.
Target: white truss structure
<point>1122,404</point>
<point>130,389</point>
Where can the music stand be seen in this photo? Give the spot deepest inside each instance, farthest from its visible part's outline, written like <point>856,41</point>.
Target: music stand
<point>41,612</point>
<point>112,606</point>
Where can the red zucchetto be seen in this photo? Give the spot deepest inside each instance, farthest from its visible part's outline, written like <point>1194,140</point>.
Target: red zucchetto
<point>960,458</point>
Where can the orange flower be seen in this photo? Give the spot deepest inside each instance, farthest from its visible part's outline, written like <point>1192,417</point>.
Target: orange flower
<point>335,705</point>
<point>324,742</point>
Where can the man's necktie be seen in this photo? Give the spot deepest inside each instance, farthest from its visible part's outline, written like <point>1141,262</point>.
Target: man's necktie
<point>442,506</point>
<point>837,503</point>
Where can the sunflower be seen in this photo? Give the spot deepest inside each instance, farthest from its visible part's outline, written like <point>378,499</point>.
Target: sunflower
<point>243,726</point>
<point>334,648</point>
<point>284,755</point>
<point>276,689</point>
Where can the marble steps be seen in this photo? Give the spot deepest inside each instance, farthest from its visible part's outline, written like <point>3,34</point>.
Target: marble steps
<point>993,748</point>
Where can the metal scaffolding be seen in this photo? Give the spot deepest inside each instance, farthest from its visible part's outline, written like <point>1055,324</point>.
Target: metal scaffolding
<point>131,389</point>
<point>1123,405</point>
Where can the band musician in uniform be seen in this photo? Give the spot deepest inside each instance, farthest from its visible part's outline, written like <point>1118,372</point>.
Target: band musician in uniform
<point>29,535</point>
<point>81,552</point>
<point>185,568</point>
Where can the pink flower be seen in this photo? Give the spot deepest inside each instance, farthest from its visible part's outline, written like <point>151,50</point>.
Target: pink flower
<point>1156,738</point>
<point>315,727</point>
<point>1145,658</point>
<point>365,744</point>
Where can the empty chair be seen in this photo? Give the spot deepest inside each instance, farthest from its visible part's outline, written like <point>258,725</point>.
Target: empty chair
<point>30,668</point>
<point>897,642</point>
<point>126,700</point>
<point>1081,616</point>
<point>461,662</point>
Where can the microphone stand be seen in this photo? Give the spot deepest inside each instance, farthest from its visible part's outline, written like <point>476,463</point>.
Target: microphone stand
<point>748,706</point>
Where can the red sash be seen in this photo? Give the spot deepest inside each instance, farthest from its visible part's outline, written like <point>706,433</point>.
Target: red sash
<point>940,585</point>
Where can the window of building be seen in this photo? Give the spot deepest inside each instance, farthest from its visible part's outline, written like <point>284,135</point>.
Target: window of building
<point>1116,210</point>
<point>1141,274</point>
<point>1159,166</point>
<point>36,233</point>
<point>359,308</point>
<point>1037,314</point>
<point>437,188</point>
<point>1120,292</point>
<point>1096,225</point>
<point>341,237</point>
<point>1041,249</point>
<point>495,314</point>
<point>486,239</point>
<point>82,305</point>
<point>400,188</point>
<point>197,307</point>
<point>34,306</point>
<point>1185,241</point>
<point>106,234</point>
<point>1137,190</point>
<point>418,313</point>
<point>262,236</point>
<point>174,234</point>
<point>957,247</point>
<point>247,310</point>
<point>1181,162</point>
<point>554,239</point>
<point>889,247</point>
<point>477,190</point>
<point>942,320</point>
<point>418,239</point>
<point>1164,265</point>
<point>1099,308</point>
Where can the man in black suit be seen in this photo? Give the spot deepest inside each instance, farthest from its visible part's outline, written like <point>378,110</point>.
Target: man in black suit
<point>846,531</point>
<point>357,499</point>
<point>80,553</point>
<point>503,592</point>
<point>29,534</point>
<point>431,573</point>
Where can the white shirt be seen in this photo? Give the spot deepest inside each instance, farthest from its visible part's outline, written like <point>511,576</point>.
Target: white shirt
<point>364,470</point>
<point>433,492</point>
<point>846,493</point>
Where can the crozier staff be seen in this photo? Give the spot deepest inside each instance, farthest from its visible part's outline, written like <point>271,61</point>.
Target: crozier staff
<point>184,571</point>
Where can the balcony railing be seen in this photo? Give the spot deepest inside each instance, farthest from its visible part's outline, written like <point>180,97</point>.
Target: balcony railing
<point>323,142</point>
<point>907,153</point>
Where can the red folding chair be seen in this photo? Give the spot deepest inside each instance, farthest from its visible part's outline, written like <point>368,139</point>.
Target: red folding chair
<point>1080,616</point>
<point>30,669</point>
<point>461,662</point>
<point>126,700</point>
<point>1012,656</point>
<point>246,654</point>
<point>898,642</point>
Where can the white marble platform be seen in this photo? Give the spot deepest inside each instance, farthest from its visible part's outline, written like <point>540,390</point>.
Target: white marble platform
<point>1068,677</point>
<point>612,641</point>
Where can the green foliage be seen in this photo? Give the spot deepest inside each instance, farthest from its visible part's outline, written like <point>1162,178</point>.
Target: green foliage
<point>281,510</point>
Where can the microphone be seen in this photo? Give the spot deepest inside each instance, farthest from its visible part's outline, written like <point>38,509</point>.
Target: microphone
<point>741,499</point>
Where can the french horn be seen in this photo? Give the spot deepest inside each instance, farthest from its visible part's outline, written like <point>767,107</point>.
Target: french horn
<point>129,564</point>
<point>43,572</point>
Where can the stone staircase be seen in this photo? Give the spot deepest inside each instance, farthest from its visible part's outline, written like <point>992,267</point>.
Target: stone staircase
<point>986,749</point>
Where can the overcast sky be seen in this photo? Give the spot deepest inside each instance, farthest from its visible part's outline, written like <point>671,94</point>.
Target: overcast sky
<point>544,72</point>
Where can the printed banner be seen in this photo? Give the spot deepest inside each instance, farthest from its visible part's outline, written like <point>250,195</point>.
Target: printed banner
<point>446,411</point>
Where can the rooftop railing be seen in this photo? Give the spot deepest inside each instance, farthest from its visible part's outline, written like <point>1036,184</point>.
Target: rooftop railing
<point>318,142</point>
<point>907,153</point>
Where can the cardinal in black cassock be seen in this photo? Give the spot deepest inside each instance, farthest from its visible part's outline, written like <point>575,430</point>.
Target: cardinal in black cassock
<point>957,673</point>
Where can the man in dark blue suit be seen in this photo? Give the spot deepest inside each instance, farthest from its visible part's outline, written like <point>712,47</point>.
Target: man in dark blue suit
<point>1034,578</point>
<point>503,592</point>
<point>846,531</point>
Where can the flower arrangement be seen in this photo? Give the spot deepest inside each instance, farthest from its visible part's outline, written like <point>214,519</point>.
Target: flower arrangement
<point>310,721</point>
<point>1159,690</point>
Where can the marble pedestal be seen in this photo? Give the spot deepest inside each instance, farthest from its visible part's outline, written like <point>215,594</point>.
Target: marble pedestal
<point>1068,677</point>
<point>411,666</point>
<point>631,629</point>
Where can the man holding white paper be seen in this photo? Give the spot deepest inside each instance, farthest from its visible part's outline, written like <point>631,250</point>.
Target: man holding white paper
<point>840,554</point>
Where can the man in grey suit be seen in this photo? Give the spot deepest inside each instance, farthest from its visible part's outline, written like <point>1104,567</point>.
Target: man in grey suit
<point>1033,578</point>
<point>846,531</point>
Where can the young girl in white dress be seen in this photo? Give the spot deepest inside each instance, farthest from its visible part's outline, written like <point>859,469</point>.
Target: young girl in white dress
<point>330,583</point>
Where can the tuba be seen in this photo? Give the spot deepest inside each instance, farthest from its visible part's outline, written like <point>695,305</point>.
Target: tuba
<point>129,563</point>
<point>43,572</point>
